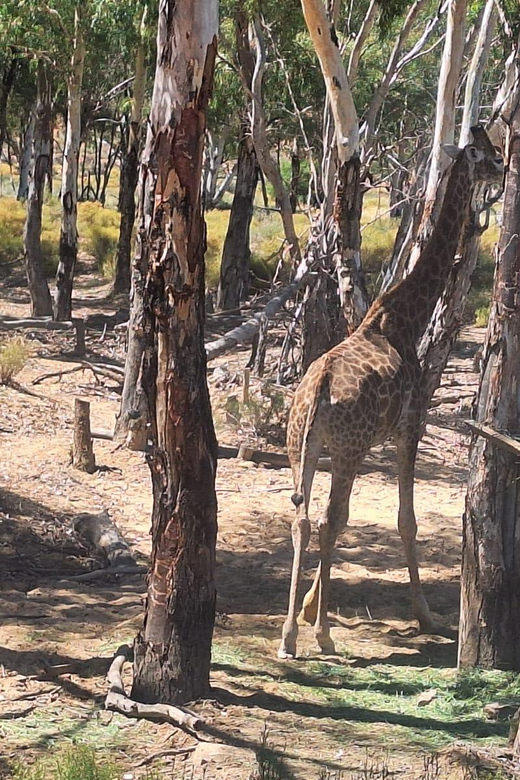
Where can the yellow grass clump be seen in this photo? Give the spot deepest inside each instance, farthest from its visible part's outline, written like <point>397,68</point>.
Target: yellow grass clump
<point>14,354</point>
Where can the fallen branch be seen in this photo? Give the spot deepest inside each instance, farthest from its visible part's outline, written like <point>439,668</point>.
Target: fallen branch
<point>99,574</point>
<point>97,369</point>
<point>164,753</point>
<point>37,323</point>
<point>245,333</point>
<point>13,714</point>
<point>118,701</point>
<point>102,534</point>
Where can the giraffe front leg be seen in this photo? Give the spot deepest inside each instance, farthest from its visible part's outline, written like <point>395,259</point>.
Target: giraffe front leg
<point>301,531</point>
<point>407,524</point>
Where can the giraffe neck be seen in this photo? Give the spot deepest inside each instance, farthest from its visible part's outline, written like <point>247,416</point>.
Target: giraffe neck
<point>411,302</point>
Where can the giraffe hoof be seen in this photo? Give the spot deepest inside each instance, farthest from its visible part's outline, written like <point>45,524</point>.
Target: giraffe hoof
<point>327,646</point>
<point>286,655</point>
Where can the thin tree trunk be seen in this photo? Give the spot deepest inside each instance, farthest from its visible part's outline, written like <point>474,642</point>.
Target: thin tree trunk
<point>26,159</point>
<point>8,77</point>
<point>268,165</point>
<point>41,302</point>
<point>129,176</point>
<point>295,176</point>
<point>69,181</point>
<point>214,152</point>
<point>490,586</point>
<point>172,652</point>
<point>234,268</point>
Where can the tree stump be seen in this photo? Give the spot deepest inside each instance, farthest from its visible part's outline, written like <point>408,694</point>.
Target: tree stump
<point>79,327</point>
<point>82,451</point>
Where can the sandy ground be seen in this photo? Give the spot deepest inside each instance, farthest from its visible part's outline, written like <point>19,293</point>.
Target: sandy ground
<point>57,635</point>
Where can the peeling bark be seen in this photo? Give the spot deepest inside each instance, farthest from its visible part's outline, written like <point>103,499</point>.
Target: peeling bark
<point>490,586</point>
<point>172,652</point>
<point>69,181</point>
<point>41,302</point>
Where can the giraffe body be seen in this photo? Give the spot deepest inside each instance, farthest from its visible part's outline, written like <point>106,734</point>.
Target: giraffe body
<point>368,389</point>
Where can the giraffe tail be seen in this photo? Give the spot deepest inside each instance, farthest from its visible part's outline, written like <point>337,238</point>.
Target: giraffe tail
<point>322,389</point>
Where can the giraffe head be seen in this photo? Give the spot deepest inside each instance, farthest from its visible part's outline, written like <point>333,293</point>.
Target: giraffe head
<point>484,161</point>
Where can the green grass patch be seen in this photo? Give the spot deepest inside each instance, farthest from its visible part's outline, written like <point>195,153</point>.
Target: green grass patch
<point>356,699</point>
<point>76,763</point>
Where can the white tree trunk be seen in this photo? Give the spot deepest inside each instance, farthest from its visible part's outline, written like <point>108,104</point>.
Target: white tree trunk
<point>325,44</point>
<point>476,71</point>
<point>446,103</point>
<point>348,198</point>
<point>359,43</point>
<point>267,164</point>
<point>69,180</point>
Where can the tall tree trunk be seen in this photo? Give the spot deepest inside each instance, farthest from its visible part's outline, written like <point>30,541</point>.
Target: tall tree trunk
<point>41,302</point>
<point>345,233</point>
<point>295,176</point>
<point>69,181</point>
<point>234,268</point>
<point>269,166</point>
<point>490,587</point>
<point>172,652</point>
<point>444,132</point>
<point>6,85</point>
<point>130,175</point>
<point>213,154</point>
<point>26,159</point>
<point>443,330</point>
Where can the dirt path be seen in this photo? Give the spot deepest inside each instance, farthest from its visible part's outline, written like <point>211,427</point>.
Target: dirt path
<point>317,714</point>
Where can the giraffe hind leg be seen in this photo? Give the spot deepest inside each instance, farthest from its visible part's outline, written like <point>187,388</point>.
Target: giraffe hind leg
<point>301,531</point>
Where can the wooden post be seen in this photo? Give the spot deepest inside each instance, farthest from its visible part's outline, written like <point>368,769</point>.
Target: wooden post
<point>245,388</point>
<point>79,327</point>
<point>82,451</point>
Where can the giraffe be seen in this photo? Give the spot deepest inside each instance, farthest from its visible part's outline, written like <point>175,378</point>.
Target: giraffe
<point>367,389</point>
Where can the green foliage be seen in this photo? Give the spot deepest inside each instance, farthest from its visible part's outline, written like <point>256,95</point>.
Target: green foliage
<point>78,762</point>
<point>482,317</point>
<point>12,220</point>
<point>14,354</point>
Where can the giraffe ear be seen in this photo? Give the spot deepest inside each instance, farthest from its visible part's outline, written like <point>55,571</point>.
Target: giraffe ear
<point>473,154</point>
<point>451,150</point>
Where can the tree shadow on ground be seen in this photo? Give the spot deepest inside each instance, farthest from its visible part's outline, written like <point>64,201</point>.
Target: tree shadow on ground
<point>456,729</point>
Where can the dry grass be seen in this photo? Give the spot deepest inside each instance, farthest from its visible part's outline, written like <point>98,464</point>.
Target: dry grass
<point>14,354</point>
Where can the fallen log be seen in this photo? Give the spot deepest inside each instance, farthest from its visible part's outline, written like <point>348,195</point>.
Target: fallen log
<point>245,333</point>
<point>118,701</point>
<point>103,535</point>
<point>37,323</point>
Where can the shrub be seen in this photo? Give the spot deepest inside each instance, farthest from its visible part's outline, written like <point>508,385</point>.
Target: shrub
<point>12,220</point>
<point>14,354</point>
<point>482,317</point>
<point>98,227</point>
